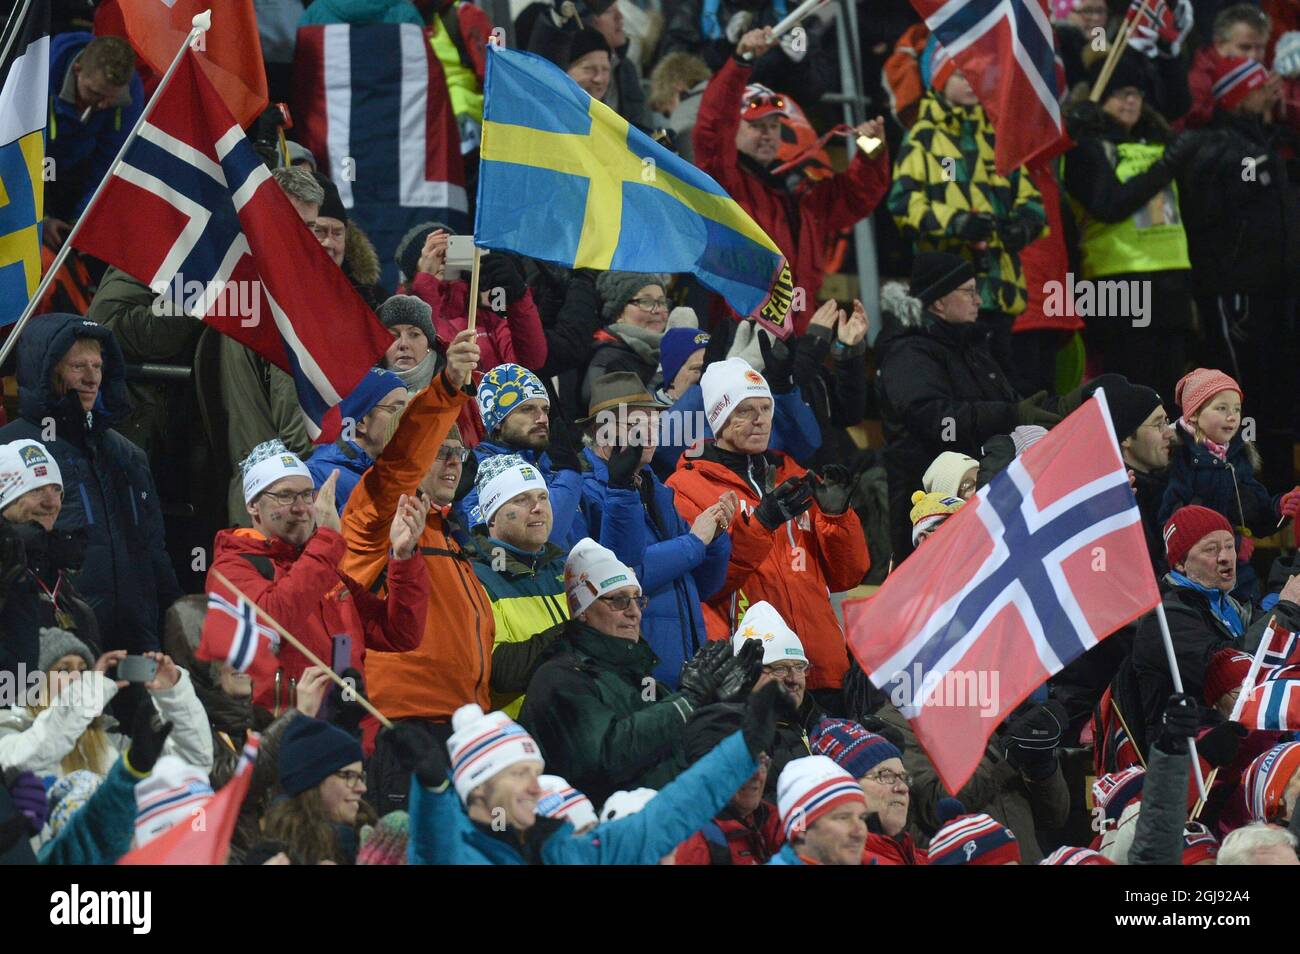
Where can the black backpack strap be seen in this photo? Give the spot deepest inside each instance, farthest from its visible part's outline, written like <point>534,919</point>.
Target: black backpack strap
<point>262,564</point>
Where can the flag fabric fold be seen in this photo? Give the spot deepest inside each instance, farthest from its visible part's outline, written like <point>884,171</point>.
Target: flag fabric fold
<point>234,634</point>
<point>1273,702</point>
<point>1041,565</point>
<point>564,178</point>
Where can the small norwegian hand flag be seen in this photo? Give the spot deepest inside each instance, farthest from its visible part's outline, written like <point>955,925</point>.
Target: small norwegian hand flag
<point>1273,703</point>
<point>233,634</point>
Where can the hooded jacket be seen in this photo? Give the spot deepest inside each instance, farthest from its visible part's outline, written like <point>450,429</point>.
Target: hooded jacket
<point>313,599</point>
<point>451,661</point>
<point>795,568</point>
<point>621,347</point>
<point>347,457</point>
<point>675,568</point>
<point>108,491</point>
<point>361,12</point>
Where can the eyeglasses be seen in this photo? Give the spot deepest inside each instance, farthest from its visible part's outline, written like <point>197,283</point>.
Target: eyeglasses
<point>888,778</point>
<point>621,603</point>
<point>322,232</point>
<point>1130,92</point>
<point>350,778</point>
<point>1159,425</point>
<point>458,454</point>
<point>781,670</point>
<point>390,408</point>
<point>968,292</point>
<point>650,304</point>
<point>287,498</point>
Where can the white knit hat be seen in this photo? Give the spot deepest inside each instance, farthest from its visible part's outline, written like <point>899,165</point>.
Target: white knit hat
<point>268,462</point>
<point>172,795</point>
<point>810,787</point>
<point>762,621</point>
<point>481,746</point>
<point>725,384</point>
<point>25,466</point>
<point>500,479</point>
<point>590,572</point>
<point>561,800</point>
<point>945,472</point>
<point>622,804</point>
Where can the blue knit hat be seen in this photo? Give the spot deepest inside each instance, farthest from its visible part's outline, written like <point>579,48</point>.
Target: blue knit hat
<point>676,346</point>
<point>311,751</point>
<point>371,389</point>
<point>503,389</point>
<point>850,746</point>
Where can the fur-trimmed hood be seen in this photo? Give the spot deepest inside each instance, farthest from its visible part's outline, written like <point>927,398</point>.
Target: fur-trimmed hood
<point>360,261</point>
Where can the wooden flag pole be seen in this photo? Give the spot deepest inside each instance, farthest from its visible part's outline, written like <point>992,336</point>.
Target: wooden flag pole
<point>315,660</point>
<point>201,23</point>
<point>473,288</point>
<point>1113,55</point>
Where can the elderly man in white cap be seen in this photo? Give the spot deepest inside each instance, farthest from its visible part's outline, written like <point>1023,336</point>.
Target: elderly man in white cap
<point>824,813</point>
<point>795,540</point>
<point>288,564</point>
<point>602,720</point>
<point>35,558</point>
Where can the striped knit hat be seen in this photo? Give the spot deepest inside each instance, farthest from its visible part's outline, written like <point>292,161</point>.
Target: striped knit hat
<point>1076,856</point>
<point>1266,778</point>
<point>974,840</point>
<point>561,800</point>
<point>850,746</point>
<point>385,843</point>
<point>1235,79</point>
<point>481,746</point>
<point>1115,792</point>
<point>173,794</point>
<point>809,788</point>
<point>1198,844</point>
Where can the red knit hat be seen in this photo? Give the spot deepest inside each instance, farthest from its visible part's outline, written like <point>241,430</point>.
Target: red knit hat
<point>1197,387</point>
<point>1235,79</point>
<point>1226,670</point>
<point>1185,528</point>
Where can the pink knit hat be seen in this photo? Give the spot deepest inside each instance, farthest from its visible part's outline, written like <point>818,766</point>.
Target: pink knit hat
<point>1197,387</point>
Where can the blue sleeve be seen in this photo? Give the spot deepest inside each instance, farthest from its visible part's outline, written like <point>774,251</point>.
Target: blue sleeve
<point>675,428</point>
<point>669,560</point>
<point>712,571</point>
<point>100,832</point>
<point>438,824</point>
<point>1179,490</point>
<point>681,808</point>
<point>622,527</point>
<point>794,426</point>
<point>565,487</point>
<point>116,129</point>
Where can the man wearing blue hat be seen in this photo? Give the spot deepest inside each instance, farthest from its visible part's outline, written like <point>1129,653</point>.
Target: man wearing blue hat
<point>370,416</point>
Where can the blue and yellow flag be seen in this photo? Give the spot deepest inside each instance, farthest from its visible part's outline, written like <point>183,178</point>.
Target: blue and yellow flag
<point>24,88</point>
<point>564,178</point>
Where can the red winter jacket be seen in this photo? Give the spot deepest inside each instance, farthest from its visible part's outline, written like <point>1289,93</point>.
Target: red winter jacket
<point>801,225</point>
<point>311,598</point>
<point>795,568</point>
<point>883,850</point>
<point>748,841</point>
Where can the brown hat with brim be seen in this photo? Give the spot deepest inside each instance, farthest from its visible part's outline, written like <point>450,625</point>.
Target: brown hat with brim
<point>619,388</point>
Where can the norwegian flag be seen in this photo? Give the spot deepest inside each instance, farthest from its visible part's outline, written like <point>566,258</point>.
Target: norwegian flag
<point>1005,49</point>
<point>233,635</point>
<point>192,211</point>
<point>1273,702</point>
<point>1036,569</point>
<point>1151,18</point>
<point>205,840</point>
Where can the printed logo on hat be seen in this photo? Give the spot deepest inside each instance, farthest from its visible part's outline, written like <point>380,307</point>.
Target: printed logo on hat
<point>792,651</point>
<point>40,471</point>
<point>528,473</point>
<point>969,848</point>
<point>722,404</point>
<point>702,338</point>
<point>621,578</point>
<point>753,377</point>
<point>32,455</point>
<point>288,460</point>
<point>749,632</point>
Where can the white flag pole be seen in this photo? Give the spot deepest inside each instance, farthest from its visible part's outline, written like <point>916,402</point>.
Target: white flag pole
<point>1178,688</point>
<point>1248,685</point>
<point>201,23</point>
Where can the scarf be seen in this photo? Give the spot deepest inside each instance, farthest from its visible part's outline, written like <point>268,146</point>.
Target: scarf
<point>1221,604</point>
<point>1218,450</point>
<point>418,377</point>
<point>644,343</point>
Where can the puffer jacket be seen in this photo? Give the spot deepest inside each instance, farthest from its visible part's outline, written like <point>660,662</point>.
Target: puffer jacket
<point>795,568</point>
<point>1229,486</point>
<point>675,568</point>
<point>345,456</point>
<point>946,165</point>
<point>108,491</point>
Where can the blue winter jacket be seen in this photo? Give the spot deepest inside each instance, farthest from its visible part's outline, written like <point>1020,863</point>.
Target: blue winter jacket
<point>442,834</point>
<point>351,462</point>
<point>794,428</point>
<point>565,487</point>
<point>100,832</point>
<point>361,12</point>
<point>786,856</point>
<point>674,568</point>
<point>69,141</point>
<point>108,491</point>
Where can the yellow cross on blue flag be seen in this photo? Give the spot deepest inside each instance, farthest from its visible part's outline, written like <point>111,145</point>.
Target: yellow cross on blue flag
<point>564,178</point>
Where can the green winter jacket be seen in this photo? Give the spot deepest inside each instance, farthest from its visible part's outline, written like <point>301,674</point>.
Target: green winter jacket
<point>602,721</point>
<point>945,166</point>
<point>528,603</point>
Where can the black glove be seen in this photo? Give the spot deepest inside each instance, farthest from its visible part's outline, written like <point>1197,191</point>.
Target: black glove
<point>1031,411</point>
<point>972,226</point>
<point>1181,718</point>
<point>624,464</point>
<point>737,675</point>
<point>1031,739</point>
<point>1015,234</point>
<point>347,713</point>
<point>762,710</point>
<point>786,502</point>
<point>500,270</point>
<point>698,680</point>
<point>561,450</point>
<point>720,339</point>
<point>419,752</point>
<point>832,489</point>
<point>778,364</point>
<point>148,734</point>
<point>1179,151</point>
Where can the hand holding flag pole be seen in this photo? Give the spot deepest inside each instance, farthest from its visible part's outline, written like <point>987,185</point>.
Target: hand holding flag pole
<point>792,20</point>
<point>1116,50</point>
<point>201,24</point>
<point>311,656</point>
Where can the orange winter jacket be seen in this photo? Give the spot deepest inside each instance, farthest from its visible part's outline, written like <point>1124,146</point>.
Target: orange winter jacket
<point>452,664</point>
<point>795,568</point>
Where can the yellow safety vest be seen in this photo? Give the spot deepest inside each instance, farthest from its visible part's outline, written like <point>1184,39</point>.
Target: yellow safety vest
<point>462,83</point>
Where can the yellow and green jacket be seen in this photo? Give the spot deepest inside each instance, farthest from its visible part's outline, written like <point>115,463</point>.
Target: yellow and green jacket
<point>946,165</point>
<point>528,606</point>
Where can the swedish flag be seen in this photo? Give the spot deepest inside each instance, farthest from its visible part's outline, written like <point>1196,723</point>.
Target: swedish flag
<point>24,86</point>
<point>566,179</point>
